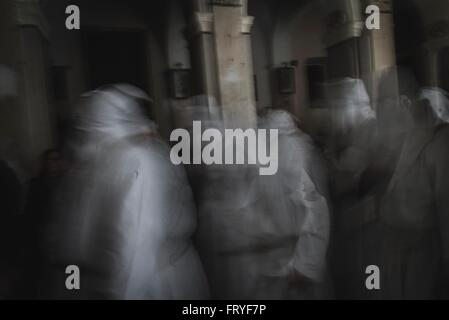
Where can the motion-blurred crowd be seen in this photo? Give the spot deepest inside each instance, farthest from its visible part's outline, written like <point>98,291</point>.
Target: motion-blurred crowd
<point>374,192</point>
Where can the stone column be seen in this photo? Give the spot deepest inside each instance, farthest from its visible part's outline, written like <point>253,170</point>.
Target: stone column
<point>227,61</point>
<point>37,117</point>
<point>382,41</point>
<point>346,22</point>
<point>377,47</point>
<point>203,40</point>
<point>434,15</point>
<point>9,111</point>
<point>235,70</point>
<point>344,27</point>
<point>354,50</point>
<point>436,42</point>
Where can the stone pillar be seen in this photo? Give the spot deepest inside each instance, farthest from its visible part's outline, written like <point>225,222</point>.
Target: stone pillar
<point>36,115</point>
<point>377,47</point>
<point>354,50</point>
<point>203,40</point>
<point>344,27</point>
<point>382,41</point>
<point>9,115</point>
<point>434,15</point>
<point>437,42</point>
<point>227,61</point>
<point>346,23</point>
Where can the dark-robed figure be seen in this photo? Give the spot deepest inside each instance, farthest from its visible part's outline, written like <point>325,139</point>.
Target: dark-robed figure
<point>413,203</point>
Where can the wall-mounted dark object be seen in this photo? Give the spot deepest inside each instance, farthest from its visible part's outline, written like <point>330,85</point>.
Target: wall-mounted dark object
<point>180,83</point>
<point>316,72</point>
<point>286,80</point>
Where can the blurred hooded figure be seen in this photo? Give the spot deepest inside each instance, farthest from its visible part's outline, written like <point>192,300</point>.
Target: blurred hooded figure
<point>413,204</point>
<point>266,237</point>
<point>123,213</point>
<point>350,153</point>
<point>296,200</point>
<point>353,131</point>
<point>226,197</point>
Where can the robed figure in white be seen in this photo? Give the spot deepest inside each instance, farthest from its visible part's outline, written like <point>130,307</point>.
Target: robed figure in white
<point>123,214</point>
<point>266,237</point>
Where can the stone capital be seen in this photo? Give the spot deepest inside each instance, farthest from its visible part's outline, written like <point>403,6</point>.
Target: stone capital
<point>203,22</point>
<point>385,6</point>
<point>342,33</point>
<point>29,13</point>
<point>343,21</point>
<point>247,23</point>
